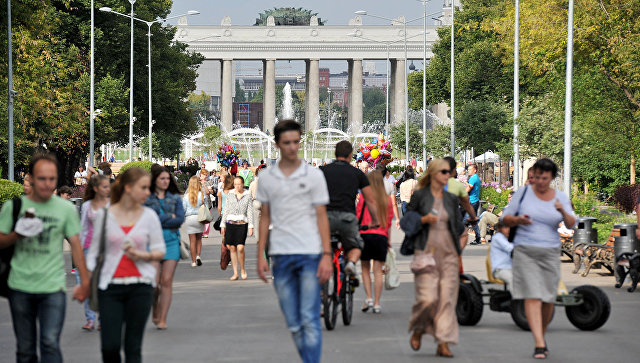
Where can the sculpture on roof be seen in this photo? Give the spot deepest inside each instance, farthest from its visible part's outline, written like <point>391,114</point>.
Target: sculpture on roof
<point>287,16</point>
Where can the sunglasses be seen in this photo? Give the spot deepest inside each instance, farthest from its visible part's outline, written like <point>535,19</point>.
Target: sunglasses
<point>445,171</point>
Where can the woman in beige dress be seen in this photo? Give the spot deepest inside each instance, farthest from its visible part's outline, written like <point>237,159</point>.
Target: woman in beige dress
<point>434,311</point>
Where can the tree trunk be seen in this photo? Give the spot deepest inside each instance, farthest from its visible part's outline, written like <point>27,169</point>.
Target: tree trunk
<point>632,169</point>
<point>69,163</point>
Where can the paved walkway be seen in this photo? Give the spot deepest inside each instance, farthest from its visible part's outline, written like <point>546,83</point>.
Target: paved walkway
<point>215,320</point>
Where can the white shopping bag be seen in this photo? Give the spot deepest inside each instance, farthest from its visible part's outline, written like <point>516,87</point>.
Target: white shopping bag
<point>392,276</point>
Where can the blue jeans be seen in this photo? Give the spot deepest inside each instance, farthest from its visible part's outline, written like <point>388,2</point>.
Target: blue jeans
<point>298,290</point>
<point>476,229</point>
<point>48,310</point>
<point>404,208</point>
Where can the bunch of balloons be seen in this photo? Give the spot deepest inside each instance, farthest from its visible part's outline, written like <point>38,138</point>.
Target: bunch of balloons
<point>375,152</point>
<point>227,155</point>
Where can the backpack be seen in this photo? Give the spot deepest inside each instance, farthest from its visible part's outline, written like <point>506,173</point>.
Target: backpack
<point>7,253</point>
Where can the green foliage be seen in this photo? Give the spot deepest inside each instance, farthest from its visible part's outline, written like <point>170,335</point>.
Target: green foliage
<point>144,164</point>
<point>439,141</point>
<point>239,93</point>
<point>496,196</point>
<point>9,190</point>
<point>398,138</point>
<point>479,125</point>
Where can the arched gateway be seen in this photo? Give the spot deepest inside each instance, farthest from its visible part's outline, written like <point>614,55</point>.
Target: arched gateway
<point>311,43</point>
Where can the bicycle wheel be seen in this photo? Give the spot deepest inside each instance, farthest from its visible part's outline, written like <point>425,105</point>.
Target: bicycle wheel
<point>347,301</point>
<point>330,302</point>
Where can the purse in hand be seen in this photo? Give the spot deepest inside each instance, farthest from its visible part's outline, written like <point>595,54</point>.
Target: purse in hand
<point>204,215</point>
<point>423,262</point>
<point>225,256</point>
<point>95,276</point>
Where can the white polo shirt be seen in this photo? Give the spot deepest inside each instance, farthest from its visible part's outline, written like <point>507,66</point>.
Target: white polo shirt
<point>292,205</point>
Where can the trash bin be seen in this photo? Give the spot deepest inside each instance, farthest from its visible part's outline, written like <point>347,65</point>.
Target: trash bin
<point>627,241</point>
<point>584,231</point>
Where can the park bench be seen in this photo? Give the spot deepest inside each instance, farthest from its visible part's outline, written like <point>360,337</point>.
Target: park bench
<point>595,255</point>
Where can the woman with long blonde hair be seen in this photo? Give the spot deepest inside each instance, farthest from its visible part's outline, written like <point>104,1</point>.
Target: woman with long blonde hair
<point>434,311</point>
<point>376,241</point>
<point>191,202</point>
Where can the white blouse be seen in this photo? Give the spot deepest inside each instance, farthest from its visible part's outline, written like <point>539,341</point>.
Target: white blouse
<point>146,235</point>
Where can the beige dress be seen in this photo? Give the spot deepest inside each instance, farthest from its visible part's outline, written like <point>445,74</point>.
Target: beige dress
<point>434,311</point>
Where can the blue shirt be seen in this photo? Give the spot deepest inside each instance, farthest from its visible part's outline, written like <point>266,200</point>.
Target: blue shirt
<point>501,252</point>
<point>474,193</point>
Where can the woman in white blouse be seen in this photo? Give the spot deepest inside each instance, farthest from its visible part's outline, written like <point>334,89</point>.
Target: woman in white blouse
<point>191,201</point>
<point>237,217</point>
<point>133,241</point>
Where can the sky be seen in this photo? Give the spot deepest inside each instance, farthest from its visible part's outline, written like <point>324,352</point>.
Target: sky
<point>332,12</point>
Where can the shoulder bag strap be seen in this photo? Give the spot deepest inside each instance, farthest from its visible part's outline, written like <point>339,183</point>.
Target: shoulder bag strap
<point>520,201</point>
<point>364,204</point>
<point>16,204</point>
<point>103,236</point>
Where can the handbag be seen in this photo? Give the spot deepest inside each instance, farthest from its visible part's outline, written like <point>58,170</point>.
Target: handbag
<point>423,262</point>
<point>204,215</point>
<point>216,224</point>
<point>6,254</point>
<point>512,230</point>
<point>392,276</point>
<point>95,276</point>
<point>225,256</point>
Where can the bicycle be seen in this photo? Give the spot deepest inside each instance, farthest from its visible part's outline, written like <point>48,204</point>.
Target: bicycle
<point>338,290</point>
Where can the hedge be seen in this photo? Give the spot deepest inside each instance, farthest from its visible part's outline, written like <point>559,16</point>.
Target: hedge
<point>9,190</point>
<point>145,164</point>
<point>626,196</point>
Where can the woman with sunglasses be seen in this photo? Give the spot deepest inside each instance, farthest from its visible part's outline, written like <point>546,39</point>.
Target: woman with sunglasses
<point>434,311</point>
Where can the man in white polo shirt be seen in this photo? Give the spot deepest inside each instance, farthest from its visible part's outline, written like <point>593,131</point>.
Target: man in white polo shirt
<point>294,197</point>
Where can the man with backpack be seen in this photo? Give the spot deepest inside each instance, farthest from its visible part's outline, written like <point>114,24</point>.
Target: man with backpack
<point>36,280</point>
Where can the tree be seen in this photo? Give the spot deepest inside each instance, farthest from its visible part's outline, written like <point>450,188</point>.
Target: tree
<point>479,125</point>
<point>239,93</point>
<point>439,141</point>
<point>415,138</point>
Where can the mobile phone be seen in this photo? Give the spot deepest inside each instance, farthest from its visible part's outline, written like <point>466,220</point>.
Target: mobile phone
<point>126,245</point>
<point>434,212</point>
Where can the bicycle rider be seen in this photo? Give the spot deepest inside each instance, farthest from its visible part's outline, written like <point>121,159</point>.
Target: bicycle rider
<point>343,182</point>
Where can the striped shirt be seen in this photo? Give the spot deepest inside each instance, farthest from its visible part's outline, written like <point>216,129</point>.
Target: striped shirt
<point>237,210</point>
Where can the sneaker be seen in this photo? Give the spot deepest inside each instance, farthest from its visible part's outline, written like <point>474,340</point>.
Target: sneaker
<point>193,264</point>
<point>377,309</point>
<point>350,268</point>
<point>368,304</point>
<point>198,261</point>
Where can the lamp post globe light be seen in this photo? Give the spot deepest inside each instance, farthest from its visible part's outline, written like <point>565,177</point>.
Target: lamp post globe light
<point>149,24</point>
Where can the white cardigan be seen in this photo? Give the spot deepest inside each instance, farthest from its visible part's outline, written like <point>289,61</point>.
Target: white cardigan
<point>146,235</point>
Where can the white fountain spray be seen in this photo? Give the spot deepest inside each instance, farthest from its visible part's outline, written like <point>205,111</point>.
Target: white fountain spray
<point>287,102</point>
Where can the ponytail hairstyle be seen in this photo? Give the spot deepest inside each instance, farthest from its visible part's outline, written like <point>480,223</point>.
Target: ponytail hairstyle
<point>434,167</point>
<point>128,177</point>
<point>94,182</point>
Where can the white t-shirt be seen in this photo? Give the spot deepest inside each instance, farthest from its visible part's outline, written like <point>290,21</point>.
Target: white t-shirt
<point>80,175</point>
<point>292,205</point>
<point>389,188</point>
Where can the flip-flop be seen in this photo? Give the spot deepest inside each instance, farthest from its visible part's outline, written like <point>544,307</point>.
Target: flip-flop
<point>540,353</point>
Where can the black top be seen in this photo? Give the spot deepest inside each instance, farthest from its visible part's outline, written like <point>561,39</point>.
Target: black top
<point>343,182</point>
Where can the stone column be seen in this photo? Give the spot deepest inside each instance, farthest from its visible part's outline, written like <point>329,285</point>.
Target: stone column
<point>269,95</point>
<point>392,91</point>
<point>355,103</point>
<point>226,95</point>
<point>312,94</point>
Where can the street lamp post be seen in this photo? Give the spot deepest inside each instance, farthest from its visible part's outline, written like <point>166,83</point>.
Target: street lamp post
<point>131,90</point>
<point>516,97</point>
<point>453,107</point>
<point>11,93</point>
<point>424,87</point>
<point>149,24</point>
<point>568,104</point>
<point>92,115</point>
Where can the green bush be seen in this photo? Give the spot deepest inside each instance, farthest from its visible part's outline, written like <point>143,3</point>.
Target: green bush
<point>9,190</point>
<point>145,164</point>
<point>496,196</point>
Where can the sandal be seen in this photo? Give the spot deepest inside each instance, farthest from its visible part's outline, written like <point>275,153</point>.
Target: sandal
<point>89,326</point>
<point>415,341</point>
<point>368,304</point>
<point>540,353</point>
<point>377,309</point>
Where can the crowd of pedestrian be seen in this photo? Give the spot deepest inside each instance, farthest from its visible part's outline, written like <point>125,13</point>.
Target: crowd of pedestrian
<point>126,243</point>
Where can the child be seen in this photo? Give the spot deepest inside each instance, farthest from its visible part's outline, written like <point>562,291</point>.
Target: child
<point>502,255</point>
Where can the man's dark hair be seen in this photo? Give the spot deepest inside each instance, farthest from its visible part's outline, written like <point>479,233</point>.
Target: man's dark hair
<point>409,168</point>
<point>544,165</point>
<point>343,149</point>
<point>65,190</point>
<point>472,165</point>
<point>452,162</point>
<point>284,126</point>
<point>47,156</point>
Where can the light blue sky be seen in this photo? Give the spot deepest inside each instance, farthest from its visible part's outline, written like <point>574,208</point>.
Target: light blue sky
<point>332,12</point>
